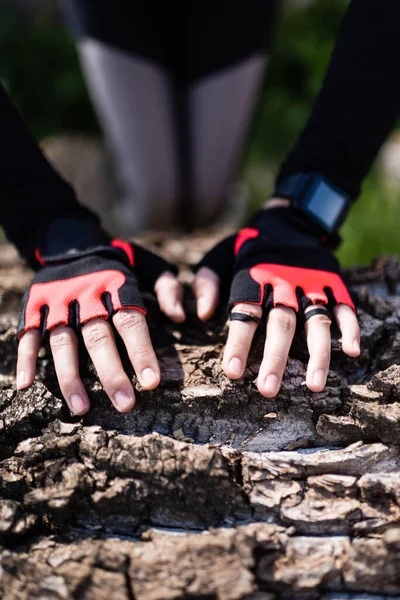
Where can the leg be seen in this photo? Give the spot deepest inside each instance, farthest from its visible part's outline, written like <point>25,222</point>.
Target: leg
<point>124,59</point>
<point>226,59</point>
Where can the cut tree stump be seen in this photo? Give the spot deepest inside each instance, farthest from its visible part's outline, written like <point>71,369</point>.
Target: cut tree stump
<point>206,490</point>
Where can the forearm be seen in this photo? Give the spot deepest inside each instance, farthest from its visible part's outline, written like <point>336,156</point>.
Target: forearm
<point>359,101</point>
<point>32,193</point>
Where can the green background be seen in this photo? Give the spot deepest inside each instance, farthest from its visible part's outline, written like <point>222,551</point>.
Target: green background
<point>39,67</point>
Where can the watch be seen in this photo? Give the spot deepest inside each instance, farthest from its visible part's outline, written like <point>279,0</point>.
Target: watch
<point>316,198</point>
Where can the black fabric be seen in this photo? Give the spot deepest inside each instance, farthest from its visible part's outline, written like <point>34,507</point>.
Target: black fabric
<point>69,235</point>
<point>359,101</point>
<point>32,193</point>
<point>190,38</point>
<point>137,27</point>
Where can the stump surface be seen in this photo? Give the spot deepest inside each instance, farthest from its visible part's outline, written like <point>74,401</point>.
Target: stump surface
<point>206,490</point>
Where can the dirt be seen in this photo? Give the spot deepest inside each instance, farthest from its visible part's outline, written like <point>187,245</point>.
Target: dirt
<point>206,490</point>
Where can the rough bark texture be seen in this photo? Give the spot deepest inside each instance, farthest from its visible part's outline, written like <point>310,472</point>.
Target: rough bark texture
<point>206,490</point>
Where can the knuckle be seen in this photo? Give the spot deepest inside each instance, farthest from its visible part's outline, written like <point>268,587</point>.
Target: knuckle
<point>284,319</point>
<point>240,344</point>
<point>113,382</point>
<point>143,353</point>
<point>276,358</point>
<point>68,381</point>
<point>165,280</point>
<point>324,356</point>
<point>203,282</point>
<point>27,354</point>
<point>96,336</point>
<point>128,320</point>
<point>323,320</point>
<point>173,283</point>
<point>205,273</point>
<point>61,339</point>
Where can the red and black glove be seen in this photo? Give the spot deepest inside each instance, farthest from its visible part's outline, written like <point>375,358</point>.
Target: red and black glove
<point>279,260</point>
<point>88,277</point>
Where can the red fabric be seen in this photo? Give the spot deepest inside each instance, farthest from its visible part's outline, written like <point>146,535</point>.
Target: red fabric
<point>127,248</point>
<point>86,289</point>
<point>38,257</point>
<point>284,281</point>
<point>244,235</point>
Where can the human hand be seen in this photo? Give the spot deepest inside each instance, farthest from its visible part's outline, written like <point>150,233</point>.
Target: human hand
<point>280,270</point>
<point>82,292</point>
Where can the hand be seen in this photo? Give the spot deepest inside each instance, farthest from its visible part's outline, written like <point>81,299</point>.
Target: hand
<point>279,269</point>
<point>82,292</point>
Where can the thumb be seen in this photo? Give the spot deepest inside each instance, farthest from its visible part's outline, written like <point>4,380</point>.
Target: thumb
<point>220,259</point>
<point>149,267</point>
<point>206,289</point>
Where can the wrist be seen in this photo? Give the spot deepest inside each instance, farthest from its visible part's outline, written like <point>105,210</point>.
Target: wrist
<point>276,202</point>
<point>67,235</point>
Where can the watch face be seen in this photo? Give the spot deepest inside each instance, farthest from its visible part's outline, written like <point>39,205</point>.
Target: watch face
<point>326,206</point>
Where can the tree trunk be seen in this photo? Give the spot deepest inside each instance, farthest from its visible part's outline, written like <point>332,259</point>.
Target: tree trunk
<point>206,490</point>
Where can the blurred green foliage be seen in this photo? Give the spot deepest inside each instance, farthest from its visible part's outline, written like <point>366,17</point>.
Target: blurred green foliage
<point>39,67</point>
<point>301,51</point>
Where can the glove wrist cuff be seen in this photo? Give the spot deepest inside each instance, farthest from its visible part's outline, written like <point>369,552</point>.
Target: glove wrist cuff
<point>68,238</point>
<point>261,221</point>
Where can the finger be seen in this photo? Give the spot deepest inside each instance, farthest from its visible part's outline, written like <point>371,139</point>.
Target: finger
<point>239,341</point>
<point>350,330</point>
<point>64,348</point>
<point>170,295</point>
<point>318,332</point>
<point>206,289</point>
<point>132,327</point>
<point>28,350</point>
<point>100,343</point>
<point>281,327</point>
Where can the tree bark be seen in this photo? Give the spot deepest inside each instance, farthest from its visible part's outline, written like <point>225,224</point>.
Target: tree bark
<point>206,490</point>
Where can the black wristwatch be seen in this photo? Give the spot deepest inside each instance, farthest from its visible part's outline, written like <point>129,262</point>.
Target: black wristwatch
<point>314,197</point>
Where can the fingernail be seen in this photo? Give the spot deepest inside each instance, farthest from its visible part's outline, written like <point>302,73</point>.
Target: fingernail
<point>122,400</point>
<point>356,346</point>
<point>272,384</point>
<point>319,378</point>
<point>235,366</point>
<point>21,379</point>
<point>77,404</point>
<point>148,376</point>
<point>203,305</point>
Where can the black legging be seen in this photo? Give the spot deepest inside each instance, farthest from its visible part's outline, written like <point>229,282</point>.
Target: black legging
<point>175,85</point>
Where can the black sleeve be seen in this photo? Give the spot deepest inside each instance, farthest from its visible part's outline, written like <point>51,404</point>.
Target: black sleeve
<point>359,101</point>
<point>32,193</point>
